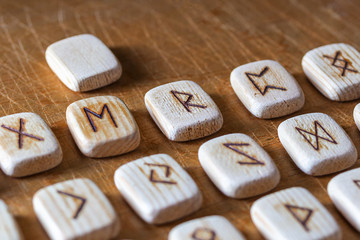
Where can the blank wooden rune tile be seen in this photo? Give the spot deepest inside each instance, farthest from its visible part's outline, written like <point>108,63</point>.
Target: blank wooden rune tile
<point>27,145</point>
<point>158,188</point>
<point>238,166</point>
<point>102,126</point>
<point>9,229</point>
<point>293,213</point>
<point>83,62</point>
<point>76,209</point>
<point>334,70</point>
<point>266,89</point>
<point>206,228</point>
<point>344,191</point>
<point>183,111</point>
<point>317,144</point>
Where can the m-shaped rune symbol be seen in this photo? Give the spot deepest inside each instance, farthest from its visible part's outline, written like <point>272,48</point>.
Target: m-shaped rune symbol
<point>21,133</point>
<point>344,66</point>
<point>187,104</point>
<point>267,87</point>
<point>152,177</point>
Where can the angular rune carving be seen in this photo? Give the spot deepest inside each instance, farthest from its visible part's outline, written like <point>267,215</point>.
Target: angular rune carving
<point>101,115</point>
<point>295,212</point>
<point>329,138</point>
<point>267,87</point>
<point>81,206</point>
<point>187,104</point>
<point>233,147</point>
<point>344,66</point>
<point>357,183</point>
<point>21,133</point>
<point>152,177</point>
<point>203,234</point>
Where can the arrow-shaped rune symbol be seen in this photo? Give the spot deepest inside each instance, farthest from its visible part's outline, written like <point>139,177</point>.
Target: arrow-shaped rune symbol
<point>81,206</point>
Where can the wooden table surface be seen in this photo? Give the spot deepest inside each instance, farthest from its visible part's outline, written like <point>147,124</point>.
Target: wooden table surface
<point>159,42</point>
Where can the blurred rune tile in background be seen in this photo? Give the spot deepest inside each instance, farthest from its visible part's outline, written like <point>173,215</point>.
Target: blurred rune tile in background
<point>27,145</point>
<point>206,228</point>
<point>9,230</point>
<point>267,89</point>
<point>293,213</point>
<point>317,144</point>
<point>183,111</point>
<point>83,62</point>
<point>344,191</point>
<point>238,166</point>
<point>76,209</point>
<point>158,188</point>
<point>334,70</point>
<point>102,126</point>
<point>356,115</point>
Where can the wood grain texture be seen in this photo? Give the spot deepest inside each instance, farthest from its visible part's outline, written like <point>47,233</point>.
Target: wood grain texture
<point>267,89</point>
<point>294,213</point>
<point>83,62</point>
<point>317,144</point>
<point>76,209</point>
<point>27,145</point>
<point>344,191</point>
<point>206,228</point>
<point>9,229</point>
<point>158,42</point>
<point>238,166</point>
<point>334,70</point>
<point>102,126</point>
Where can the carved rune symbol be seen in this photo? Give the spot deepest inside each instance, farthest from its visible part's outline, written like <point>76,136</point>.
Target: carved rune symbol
<point>253,161</point>
<point>83,201</point>
<point>186,103</point>
<point>267,87</point>
<point>21,133</point>
<point>101,116</point>
<point>203,234</point>
<point>329,138</point>
<point>152,177</point>
<point>344,66</point>
<point>298,214</point>
<point>357,183</point>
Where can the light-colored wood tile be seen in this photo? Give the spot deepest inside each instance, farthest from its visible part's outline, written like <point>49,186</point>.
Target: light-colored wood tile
<point>27,145</point>
<point>344,191</point>
<point>102,126</point>
<point>266,89</point>
<point>9,229</point>
<point>334,70</point>
<point>356,114</point>
<point>158,188</point>
<point>83,62</point>
<point>206,228</point>
<point>317,144</point>
<point>238,166</point>
<point>293,213</point>
<point>183,111</point>
<point>76,209</point>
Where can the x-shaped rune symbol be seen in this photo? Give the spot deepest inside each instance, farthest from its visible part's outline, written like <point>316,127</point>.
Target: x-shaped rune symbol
<point>22,133</point>
<point>345,65</point>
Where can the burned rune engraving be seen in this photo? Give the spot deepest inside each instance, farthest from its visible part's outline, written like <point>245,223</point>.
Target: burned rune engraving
<point>344,66</point>
<point>357,183</point>
<point>295,212</point>
<point>81,206</point>
<point>21,133</point>
<point>152,177</point>
<point>187,104</point>
<point>101,116</point>
<point>329,138</point>
<point>203,234</point>
<point>267,87</point>
<point>253,161</point>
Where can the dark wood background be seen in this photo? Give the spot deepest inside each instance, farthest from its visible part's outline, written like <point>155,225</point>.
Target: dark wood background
<point>159,42</point>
